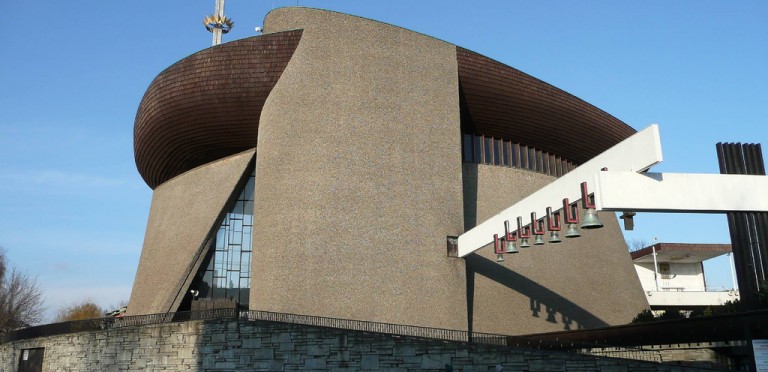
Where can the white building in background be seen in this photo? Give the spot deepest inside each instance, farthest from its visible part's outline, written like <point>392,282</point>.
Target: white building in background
<point>672,275</point>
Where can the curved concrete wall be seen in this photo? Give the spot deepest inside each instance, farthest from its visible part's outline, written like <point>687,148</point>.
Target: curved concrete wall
<point>583,282</point>
<point>358,178</point>
<point>359,181</point>
<point>184,211</point>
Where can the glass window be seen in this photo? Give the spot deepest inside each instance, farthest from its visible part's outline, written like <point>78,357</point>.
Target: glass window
<point>523,157</point>
<point>477,148</point>
<point>227,272</point>
<point>497,152</point>
<point>237,211</point>
<point>531,158</point>
<point>515,158</point>
<point>505,153</point>
<point>248,213</point>
<point>466,144</point>
<point>487,147</point>
<point>248,192</point>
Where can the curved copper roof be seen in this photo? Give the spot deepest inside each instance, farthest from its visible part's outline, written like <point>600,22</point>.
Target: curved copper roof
<point>207,106</point>
<point>503,102</point>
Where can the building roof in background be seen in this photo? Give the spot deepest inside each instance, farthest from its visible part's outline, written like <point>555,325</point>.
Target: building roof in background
<point>680,252</point>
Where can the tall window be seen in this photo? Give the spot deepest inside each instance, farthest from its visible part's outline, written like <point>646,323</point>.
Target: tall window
<point>226,271</point>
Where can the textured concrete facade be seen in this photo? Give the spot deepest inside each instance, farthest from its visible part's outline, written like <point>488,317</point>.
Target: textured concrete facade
<point>360,179</point>
<point>184,211</point>
<point>359,175</point>
<point>584,282</point>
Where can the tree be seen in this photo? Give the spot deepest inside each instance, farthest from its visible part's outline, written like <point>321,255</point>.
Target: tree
<point>85,310</point>
<point>637,244</point>
<point>21,300</point>
<point>644,316</point>
<point>671,315</point>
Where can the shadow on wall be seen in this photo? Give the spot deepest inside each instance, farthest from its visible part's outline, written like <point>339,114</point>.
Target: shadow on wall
<point>544,303</point>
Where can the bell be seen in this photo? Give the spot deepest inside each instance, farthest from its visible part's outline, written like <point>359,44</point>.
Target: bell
<point>554,237</point>
<point>572,231</point>
<point>591,221</point>
<point>523,233</point>
<point>510,239</point>
<point>499,258</point>
<point>537,228</point>
<point>553,224</point>
<point>496,246</point>
<point>511,247</point>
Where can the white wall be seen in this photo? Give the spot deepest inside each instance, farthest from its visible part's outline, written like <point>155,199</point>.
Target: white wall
<point>682,276</point>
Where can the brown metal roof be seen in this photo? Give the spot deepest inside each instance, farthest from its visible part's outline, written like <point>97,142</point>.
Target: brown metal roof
<point>503,102</point>
<point>207,105</point>
<point>680,252</point>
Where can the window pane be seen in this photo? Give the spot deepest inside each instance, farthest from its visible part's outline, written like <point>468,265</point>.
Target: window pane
<point>531,158</point>
<point>515,158</point>
<point>237,211</point>
<point>523,157</point>
<point>248,213</point>
<point>487,146</point>
<point>497,152</point>
<point>466,143</point>
<point>477,148</point>
<point>228,267</point>
<point>248,193</point>
<point>505,153</point>
<point>233,279</point>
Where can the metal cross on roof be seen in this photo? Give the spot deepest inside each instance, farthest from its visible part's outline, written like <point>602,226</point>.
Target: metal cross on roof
<point>218,24</point>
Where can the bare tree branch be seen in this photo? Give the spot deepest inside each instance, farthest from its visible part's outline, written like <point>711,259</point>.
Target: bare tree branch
<point>21,300</point>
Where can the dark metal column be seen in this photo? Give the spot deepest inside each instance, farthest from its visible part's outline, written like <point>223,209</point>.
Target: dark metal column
<point>749,230</point>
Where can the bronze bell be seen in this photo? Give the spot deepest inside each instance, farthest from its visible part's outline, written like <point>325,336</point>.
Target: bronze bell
<point>497,249</point>
<point>554,237</point>
<point>572,231</point>
<point>510,239</point>
<point>591,220</point>
<point>511,247</point>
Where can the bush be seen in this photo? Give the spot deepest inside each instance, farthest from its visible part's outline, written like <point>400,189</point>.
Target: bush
<point>644,316</point>
<point>82,311</point>
<point>671,314</point>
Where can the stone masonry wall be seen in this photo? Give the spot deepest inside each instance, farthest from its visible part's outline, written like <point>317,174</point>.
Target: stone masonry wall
<point>229,344</point>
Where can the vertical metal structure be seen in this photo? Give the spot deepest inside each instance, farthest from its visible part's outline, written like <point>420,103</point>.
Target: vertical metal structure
<point>749,230</point>
<point>218,24</point>
<point>219,12</point>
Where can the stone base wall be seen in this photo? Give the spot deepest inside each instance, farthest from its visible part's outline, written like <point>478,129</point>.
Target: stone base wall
<point>230,344</point>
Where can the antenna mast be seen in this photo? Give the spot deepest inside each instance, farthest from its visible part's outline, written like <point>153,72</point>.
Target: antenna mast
<point>218,24</point>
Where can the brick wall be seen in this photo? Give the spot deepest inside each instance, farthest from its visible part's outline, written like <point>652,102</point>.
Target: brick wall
<point>228,344</point>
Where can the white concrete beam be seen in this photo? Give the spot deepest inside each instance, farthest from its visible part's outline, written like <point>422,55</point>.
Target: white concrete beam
<point>680,192</point>
<point>635,154</point>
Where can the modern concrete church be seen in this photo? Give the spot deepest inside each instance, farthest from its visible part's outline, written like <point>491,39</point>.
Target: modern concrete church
<point>319,168</point>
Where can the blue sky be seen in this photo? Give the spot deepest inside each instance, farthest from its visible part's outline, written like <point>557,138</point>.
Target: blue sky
<point>73,207</point>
